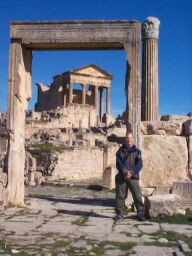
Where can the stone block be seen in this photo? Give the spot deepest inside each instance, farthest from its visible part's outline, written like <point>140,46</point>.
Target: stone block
<point>190,155</point>
<point>161,190</point>
<point>162,205</point>
<point>109,177</point>
<point>129,200</point>
<point>147,191</point>
<point>187,127</point>
<point>184,190</point>
<point>174,118</point>
<point>161,128</point>
<point>38,177</point>
<point>165,160</point>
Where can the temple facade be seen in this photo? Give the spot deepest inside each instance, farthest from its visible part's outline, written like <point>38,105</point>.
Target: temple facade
<point>61,92</point>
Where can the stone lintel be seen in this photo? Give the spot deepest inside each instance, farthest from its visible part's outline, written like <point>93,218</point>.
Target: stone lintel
<point>102,34</point>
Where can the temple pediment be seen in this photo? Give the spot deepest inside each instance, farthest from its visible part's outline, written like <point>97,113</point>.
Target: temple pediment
<point>92,70</point>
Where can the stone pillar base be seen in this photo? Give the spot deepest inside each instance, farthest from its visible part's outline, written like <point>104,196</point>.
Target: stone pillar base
<point>109,177</point>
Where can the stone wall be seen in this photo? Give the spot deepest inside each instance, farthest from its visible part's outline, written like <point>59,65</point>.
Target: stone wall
<point>88,153</point>
<point>74,116</point>
<point>79,164</point>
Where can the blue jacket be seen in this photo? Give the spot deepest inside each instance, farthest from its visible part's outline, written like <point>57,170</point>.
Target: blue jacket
<point>129,158</point>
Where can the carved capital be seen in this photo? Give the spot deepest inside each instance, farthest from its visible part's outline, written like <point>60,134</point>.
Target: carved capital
<point>150,28</point>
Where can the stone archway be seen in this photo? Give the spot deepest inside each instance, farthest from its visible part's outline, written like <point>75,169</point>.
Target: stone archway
<point>29,36</point>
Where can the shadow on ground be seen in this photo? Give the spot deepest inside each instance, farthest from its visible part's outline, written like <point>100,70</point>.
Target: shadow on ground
<point>83,213</point>
<point>108,202</point>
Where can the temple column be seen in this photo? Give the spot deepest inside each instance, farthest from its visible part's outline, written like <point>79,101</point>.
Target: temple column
<point>101,104</point>
<point>18,97</point>
<point>96,99</point>
<point>64,96</point>
<point>150,34</point>
<point>108,101</point>
<point>70,93</point>
<point>83,94</point>
<point>132,88</point>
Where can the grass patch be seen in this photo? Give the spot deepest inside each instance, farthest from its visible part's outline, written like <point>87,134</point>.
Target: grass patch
<point>4,247</point>
<point>99,249</point>
<point>159,244</point>
<point>172,237</point>
<point>126,233</point>
<point>175,219</point>
<point>48,147</point>
<point>126,246</point>
<point>113,190</point>
<point>57,245</point>
<point>7,249</point>
<point>81,221</point>
<point>127,211</point>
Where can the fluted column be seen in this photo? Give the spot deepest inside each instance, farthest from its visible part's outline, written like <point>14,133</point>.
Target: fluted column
<point>101,104</point>
<point>96,99</point>
<point>70,93</point>
<point>132,89</point>
<point>150,34</point>
<point>83,94</point>
<point>108,101</point>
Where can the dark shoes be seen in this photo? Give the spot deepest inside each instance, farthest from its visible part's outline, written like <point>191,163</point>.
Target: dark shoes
<point>141,217</point>
<point>118,218</point>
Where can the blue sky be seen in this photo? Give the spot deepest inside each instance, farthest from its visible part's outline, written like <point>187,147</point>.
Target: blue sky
<point>175,46</point>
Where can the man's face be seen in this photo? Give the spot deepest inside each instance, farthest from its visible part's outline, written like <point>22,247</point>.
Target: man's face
<point>129,139</point>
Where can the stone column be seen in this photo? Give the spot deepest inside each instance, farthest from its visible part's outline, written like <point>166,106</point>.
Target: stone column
<point>96,99</point>
<point>132,88</point>
<point>187,131</point>
<point>70,93</point>
<point>150,34</point>
<point>108,101</point>
<point>65,95</point>
<point>101,104</point>
<point>19,94</point>
<point>83,94</point>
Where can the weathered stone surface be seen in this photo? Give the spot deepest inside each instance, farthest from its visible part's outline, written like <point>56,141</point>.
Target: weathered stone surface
<point>147,191</point>
<point>150,33</point>
<point>150,28</point>
<point>129,200</point>
<point>161,128</point>
<point>109,177</point>
<point>187,127</point>
<point>184,190</point>
<point>74,116</point>
<point>166,205</point>
<point>165,160</point>
<point>38,178</point>
<point>174,118</point>
<point>190,156</point>
<point>161,190</point>
<point>71,164</point>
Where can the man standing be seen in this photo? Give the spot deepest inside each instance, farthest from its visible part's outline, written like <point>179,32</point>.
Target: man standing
<point>129,164</point>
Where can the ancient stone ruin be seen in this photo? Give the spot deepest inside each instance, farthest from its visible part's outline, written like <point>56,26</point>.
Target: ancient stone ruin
<point>69,136</point>
<point>60,93</point>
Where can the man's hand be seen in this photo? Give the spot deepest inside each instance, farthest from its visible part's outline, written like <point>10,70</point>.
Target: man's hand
<point>129,175</point>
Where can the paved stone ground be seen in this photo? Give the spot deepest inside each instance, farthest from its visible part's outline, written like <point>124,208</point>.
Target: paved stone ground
<point>77,221</point>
